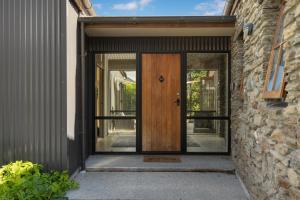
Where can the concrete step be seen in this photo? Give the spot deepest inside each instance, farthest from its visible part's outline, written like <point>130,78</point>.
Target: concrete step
<point>135,163</point>
<point>157,186</point>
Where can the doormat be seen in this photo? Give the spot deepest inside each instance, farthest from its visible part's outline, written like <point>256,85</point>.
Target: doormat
<point>161,159</point>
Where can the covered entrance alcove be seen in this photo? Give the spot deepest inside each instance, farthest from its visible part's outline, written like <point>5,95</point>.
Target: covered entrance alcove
<point>158,84</point>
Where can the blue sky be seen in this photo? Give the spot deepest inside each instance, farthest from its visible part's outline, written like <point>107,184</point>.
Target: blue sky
<point>158,7</point>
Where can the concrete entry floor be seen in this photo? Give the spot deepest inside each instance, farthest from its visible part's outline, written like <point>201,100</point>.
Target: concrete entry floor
<point>135,163</point>
<point>129,177</point>
<point>157,185</point>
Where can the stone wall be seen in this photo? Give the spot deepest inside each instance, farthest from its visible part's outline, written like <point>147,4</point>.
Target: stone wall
<point>266,135</point>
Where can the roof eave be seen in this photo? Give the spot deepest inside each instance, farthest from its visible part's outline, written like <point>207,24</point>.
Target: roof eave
<point>158,20</point>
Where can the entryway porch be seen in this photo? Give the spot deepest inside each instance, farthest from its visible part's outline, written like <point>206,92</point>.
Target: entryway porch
<point>152,92</point>
<point>163,87</point>
<point>129,177</point>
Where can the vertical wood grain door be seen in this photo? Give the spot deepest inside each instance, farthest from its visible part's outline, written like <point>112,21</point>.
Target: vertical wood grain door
<point>161,102</point>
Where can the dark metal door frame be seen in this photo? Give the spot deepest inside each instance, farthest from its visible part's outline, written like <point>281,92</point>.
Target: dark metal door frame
<point>183,116</point>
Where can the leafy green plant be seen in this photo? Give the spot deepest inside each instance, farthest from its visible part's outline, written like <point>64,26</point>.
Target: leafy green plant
<point>25,180</point>
<point>194,88</point>
<point>129,101</point>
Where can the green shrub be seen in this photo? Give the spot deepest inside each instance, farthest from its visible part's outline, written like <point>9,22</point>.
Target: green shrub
<point>24,180</point>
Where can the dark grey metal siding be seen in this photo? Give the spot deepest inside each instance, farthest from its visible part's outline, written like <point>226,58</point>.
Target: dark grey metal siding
<point>158,44</point>
<point>33,82</point>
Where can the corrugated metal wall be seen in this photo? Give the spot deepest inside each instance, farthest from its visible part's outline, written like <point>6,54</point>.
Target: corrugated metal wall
<point>158,44</point>
<point>32,82</point>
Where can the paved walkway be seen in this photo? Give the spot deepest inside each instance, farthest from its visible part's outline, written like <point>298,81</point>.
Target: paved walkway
<point>157,185</point>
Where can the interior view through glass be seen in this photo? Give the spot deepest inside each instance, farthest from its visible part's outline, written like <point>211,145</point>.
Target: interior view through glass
<point>115,99</point>
<point>207,97</point>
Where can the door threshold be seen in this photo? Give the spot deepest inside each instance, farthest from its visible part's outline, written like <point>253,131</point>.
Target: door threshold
<point>151,169</point>
<point>135,163</point>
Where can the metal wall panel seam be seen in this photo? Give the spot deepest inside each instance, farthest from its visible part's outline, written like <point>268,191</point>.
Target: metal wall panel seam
<point>2,83</point>
<point>63,83</point>
<point>52,88</point>
<point>41,74</point>
<point>47,86</point>
<point>10,88</point>
<point>35,91</point>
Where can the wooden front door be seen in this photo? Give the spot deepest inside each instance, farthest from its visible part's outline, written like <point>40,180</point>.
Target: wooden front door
<point>161,102</point>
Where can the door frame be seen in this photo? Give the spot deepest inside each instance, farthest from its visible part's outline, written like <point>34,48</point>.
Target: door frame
<point>138,117</point>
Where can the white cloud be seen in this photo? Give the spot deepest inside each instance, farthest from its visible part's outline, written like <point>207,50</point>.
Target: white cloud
<point>201,6</point>
<point>144,3</point>
<point>210,13</point>
<point>220,4</point>
<point>132,5</point>
<point>97,5</point>
<point>126,6</point>
<point>214,8</point>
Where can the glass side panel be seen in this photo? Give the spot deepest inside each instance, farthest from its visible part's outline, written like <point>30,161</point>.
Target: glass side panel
<point>280,71</point>
<point>207,96</point>
<point>116,135</point>
<point>207,84</point>
<point>115,95</point>
<point>122,93</point>
<point>274,63</point>
<point>204,135</point>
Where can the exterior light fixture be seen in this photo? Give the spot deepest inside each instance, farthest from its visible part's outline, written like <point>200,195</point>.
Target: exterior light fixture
<point>248,29</point>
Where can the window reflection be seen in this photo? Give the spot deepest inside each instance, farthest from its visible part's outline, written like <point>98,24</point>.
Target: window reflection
<point>207,135</point>
<point>207,96</point>
<point>275,72</point>
<point>122,93</point>
<point>280,72</point>
<point>272,75</point>
<point>115,96</point>
<point>207,89</point>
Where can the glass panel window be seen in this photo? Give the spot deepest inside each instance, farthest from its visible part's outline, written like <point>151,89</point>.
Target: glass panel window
<point>273,88</point>
<point>116,135</point>
<point>122,93</point>
<point>207,88</point>
<point>201,87</point>
<point>115,96</point>
<point>280,72</point>
<point>206,99</point>
<point>206,135</point>
<point>272,75</point>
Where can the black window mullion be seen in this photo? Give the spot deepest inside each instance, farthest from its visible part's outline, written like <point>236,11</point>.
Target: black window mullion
<point>212,117</point>
<point>114,117</point>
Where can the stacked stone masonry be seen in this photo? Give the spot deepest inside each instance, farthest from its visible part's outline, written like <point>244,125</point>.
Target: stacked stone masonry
<point>266,134</point>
